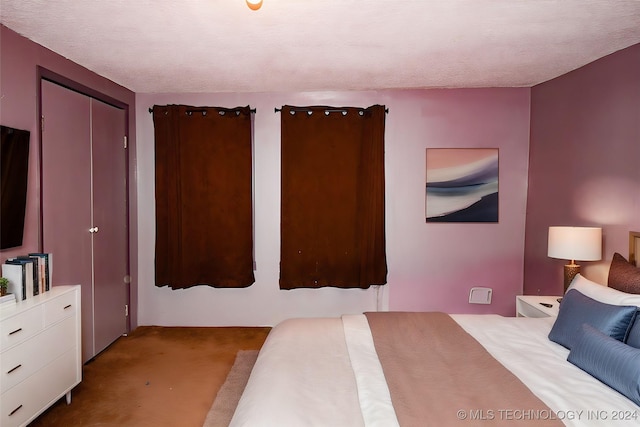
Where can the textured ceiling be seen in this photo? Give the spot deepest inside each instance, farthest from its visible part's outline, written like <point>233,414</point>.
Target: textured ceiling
<point>311,45</point>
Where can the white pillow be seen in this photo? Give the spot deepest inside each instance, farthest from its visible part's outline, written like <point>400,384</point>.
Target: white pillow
<point>603,293</point>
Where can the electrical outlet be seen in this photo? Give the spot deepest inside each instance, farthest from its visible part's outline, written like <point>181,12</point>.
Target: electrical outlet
<point>480,295</point>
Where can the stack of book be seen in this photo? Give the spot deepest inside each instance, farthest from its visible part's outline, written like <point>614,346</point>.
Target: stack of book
<point>28,275</point>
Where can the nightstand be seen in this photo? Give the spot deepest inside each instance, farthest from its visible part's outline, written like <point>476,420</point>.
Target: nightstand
<point>529,306</point>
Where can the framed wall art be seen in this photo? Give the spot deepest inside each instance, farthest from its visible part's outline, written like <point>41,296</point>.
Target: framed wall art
<point>461,185</point>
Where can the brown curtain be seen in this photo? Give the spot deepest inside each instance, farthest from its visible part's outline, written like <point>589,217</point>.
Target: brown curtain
<point>332,215</point>
<point>204,231</point>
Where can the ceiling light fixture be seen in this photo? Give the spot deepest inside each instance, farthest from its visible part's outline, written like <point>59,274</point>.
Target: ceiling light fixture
<point>254,4</point>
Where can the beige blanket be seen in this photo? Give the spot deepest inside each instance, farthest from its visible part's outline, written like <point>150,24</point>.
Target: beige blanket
<point>439,375</point>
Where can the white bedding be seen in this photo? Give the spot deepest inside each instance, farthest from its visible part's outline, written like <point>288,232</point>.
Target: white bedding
<point>324,372</point>
<point>302,377</point>
<point>522,346</point>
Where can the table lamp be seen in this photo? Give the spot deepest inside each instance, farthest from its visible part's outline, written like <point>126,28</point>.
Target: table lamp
<point>575,244</point>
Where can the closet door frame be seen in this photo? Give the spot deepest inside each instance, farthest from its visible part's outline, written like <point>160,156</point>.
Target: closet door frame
<point>46,74</point>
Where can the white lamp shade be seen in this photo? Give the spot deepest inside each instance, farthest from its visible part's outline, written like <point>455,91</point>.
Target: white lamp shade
<point>575,243</point>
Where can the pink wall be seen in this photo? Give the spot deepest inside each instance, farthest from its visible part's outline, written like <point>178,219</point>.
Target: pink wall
<point>19,59</point>
<point>431,266</point>
<point>584,165</point>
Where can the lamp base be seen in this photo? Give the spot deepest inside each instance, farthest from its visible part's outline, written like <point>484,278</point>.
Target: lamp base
<point>570,271</point>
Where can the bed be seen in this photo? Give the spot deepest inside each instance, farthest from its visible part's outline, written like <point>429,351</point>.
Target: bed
<point>420,369</point>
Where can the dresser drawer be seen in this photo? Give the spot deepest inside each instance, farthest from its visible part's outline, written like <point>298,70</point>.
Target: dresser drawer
<point>23,360</point>
<point>59,308</point>
<point>33,395</point>
<point>20,327</point>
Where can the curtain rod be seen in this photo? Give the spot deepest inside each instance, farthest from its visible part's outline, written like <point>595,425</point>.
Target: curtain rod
<point>328,110</point>
<point>200,110</point>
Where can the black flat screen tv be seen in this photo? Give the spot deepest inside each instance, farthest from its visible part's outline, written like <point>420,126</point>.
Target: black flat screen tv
<point>14,170</point>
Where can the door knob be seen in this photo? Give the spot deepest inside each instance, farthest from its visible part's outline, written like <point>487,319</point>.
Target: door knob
<point>93,230</point>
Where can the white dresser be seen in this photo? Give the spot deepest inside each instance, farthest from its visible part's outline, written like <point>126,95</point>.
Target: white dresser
<point>40,353</point>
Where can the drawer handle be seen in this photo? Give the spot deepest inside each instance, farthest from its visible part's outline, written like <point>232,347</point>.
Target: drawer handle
<point>15,410</point>
<point>67,306</point>
<point>15,332</point>
<point>13,369</point>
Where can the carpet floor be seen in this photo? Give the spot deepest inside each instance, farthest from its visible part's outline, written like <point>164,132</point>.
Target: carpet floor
<point>156,376</point>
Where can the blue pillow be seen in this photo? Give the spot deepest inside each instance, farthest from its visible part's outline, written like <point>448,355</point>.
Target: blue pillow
<point>634,334</point>
<point>576,309</point>
<point>610,361</point>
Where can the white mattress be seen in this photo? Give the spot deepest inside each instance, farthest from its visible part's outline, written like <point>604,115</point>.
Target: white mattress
<point>324,372</point>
